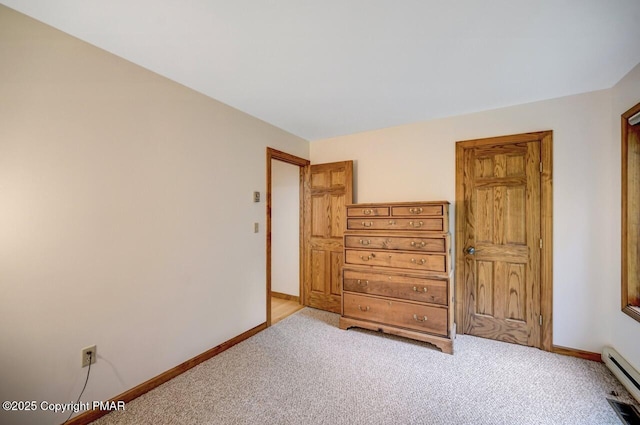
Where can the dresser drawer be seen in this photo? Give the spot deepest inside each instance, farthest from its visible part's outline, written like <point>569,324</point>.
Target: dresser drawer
<point>424,244</point>
<point>404,260</point>
<point>364,211</point>
<point>396,313</point>
<point>397,286</point>
<point>429,224</point>
<point>416,210</point>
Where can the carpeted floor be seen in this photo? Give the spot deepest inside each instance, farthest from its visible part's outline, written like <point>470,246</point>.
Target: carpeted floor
<point>304,370</point>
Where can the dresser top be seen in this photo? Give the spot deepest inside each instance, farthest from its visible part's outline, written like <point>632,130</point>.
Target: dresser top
<point>399,203</point>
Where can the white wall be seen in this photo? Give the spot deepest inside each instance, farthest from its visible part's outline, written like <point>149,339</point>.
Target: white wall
<point>624,331</point>
<point>285,228</point>
<point>417,162</point>
<point>126,219</point>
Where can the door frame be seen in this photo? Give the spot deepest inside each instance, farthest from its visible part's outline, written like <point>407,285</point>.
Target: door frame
<point>546,226</point>
<point>303,164</point>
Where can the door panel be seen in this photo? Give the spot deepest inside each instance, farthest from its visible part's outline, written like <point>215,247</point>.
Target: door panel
<point>336,273</point>
<point>484,294</point>
<point>516,286</point>
<point>502,224</point>
<point>329,188</point>
<point>321,216</point>
<point>318,270</point>
<point>338,219</point>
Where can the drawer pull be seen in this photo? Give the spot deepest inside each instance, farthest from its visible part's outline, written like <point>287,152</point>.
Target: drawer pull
<point>422,261</point>
<point>367,212</point>
<point>419,319</point>
<point>392,222</point>
<point>367,223</point>
<point>424,289</point>
<point>415,210</point>
<point>365,242</point>
<point>418,244</point>
<point>367,309</point>
<point>368,257</point>
<point>416,224</point>
<point>361,283</point>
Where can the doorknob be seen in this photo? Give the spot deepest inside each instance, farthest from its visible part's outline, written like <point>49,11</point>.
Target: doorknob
<point>471,250</point>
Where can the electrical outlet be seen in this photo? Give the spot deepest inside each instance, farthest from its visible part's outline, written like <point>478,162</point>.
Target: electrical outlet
<point>85,355</point>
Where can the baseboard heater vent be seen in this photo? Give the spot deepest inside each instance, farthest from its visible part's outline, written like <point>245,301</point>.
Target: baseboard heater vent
<point>627,413</point>
<point>626,374</point>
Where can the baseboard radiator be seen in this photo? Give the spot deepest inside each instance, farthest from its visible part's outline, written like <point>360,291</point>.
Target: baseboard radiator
<point>627,374</point>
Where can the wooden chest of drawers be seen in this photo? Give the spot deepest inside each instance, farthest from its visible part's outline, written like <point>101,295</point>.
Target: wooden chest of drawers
<point>397,275</point>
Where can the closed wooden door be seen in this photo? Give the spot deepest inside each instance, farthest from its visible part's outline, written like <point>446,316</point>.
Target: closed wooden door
<point>502,241</point>
<point>329,189</point>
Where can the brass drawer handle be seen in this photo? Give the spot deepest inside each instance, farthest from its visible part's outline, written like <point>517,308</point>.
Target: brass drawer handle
<point>365,242</point>
<point>418,319</point>
<point>367,309</point>
<point>361,283</point>
<point>424,289</point>
<point>392,222</point>
<point>422,261</point>
<point>367,212</point>
<point>368,257</point>
<point>415,210</point>
<point>418,244</point>
<point>367,223</point>
<point>416,224</point>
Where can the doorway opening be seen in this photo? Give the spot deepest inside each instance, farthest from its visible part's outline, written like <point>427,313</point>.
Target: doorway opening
<point>285,249</point>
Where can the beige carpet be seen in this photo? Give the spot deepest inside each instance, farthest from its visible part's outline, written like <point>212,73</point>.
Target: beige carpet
<point>304,370</point>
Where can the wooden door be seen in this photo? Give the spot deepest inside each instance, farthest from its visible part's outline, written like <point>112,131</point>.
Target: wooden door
<point>501,241</point>
<point>329,187</point>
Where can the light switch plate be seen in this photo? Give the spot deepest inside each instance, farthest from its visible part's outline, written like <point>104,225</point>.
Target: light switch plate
<point>256,228</point>
<point>256,196</point>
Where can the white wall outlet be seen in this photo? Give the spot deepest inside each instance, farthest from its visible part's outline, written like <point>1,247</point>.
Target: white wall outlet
<point>256,196</point>
<point>85,355</point>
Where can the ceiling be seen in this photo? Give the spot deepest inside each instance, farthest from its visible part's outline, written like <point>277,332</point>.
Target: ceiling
<point>323,68</point>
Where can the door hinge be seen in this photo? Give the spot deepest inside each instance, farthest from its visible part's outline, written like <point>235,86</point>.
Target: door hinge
<point>541,167</point>
<point>541,320</point>
<point>540,243</point>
